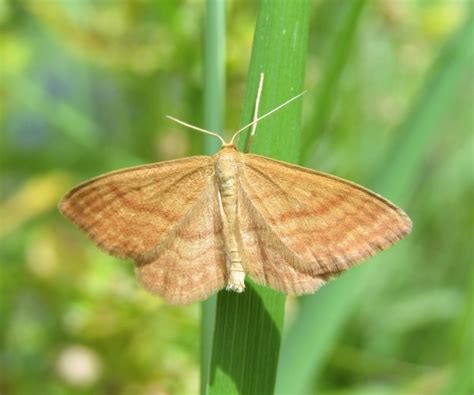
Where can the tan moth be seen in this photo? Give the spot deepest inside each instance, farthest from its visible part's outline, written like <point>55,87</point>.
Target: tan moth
<point>196,225</point>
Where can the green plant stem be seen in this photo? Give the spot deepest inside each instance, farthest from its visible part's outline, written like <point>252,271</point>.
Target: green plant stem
<point>214,99</point>
<point>248,326</point>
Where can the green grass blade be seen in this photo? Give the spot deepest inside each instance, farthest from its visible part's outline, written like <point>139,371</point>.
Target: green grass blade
<point>214,99</point>
<point>248,326</point>
<point>462,380</point>
<point>417,130</point>
<point>334,67</point>
<point>322,316</point>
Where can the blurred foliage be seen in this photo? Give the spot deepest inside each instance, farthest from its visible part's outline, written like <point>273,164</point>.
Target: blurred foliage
<point>84,89</point>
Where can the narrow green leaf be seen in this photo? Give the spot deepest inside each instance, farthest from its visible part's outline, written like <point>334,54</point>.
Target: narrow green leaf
<point>418,129</point>
<point>322,315</point>
<point>248,326</point>
<point>334,67</point>
<point>214,99</point>
<point>462,380</point>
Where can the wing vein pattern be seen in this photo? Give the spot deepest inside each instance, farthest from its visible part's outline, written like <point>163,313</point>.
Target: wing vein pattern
<point>320,224</point>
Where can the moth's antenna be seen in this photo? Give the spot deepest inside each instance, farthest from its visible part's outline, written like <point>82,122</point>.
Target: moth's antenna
<point>265,115</point>
<point>255,114</point>
<point>196,128</point>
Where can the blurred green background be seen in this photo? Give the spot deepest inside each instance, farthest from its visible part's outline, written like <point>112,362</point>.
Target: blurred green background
<point>85,86</point>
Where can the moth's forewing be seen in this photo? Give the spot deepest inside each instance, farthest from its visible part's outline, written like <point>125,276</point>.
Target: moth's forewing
<point>312,224</point>
<point>131,211</point>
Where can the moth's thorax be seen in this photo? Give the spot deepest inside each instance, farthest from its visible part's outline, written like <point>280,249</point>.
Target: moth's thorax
<point>226,167</point>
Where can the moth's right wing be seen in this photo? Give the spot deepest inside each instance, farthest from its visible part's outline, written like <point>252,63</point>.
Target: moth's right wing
<point>299,227</point>
<point>265,258</point>
<point>131,212</point>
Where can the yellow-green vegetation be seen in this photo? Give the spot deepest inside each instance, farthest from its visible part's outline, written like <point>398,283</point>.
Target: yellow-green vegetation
<point>84,88</point>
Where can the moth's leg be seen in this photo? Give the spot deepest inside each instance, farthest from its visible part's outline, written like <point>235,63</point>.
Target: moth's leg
<point>255,115</point>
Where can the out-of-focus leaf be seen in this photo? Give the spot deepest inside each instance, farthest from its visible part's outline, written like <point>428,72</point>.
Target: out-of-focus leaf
<point>35,197</point>
<point>334,67</point>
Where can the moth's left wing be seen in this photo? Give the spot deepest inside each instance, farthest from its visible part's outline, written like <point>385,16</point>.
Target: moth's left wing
<point>321,224</point>
<point>165,216</point>
<point>131,212</point>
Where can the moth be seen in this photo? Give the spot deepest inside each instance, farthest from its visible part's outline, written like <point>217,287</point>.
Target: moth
<point>196,225</point>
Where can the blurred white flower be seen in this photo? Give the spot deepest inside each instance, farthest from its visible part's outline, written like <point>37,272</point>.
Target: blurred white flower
<point>78,365</point>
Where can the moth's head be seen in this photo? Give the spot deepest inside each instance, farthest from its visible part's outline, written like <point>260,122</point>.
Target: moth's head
<point>228,147</point>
